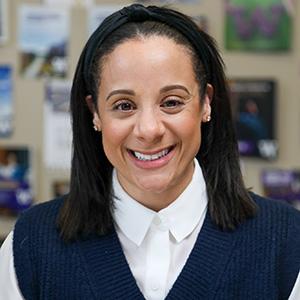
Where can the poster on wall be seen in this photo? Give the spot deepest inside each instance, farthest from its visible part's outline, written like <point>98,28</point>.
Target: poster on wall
<point>3,21</point>
<point>15,188</point>
<point>254,108</point>
<point>259,25</point>
<point>57,125</point>
<point>43,41</point>
<point>282,185</point>
<point>6,100</point>
<point>98,13</point>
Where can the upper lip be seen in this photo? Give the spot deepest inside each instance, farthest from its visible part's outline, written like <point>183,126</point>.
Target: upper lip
<point>150,152</point>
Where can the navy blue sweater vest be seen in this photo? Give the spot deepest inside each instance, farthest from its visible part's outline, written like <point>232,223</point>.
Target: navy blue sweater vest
<point>259,260</point>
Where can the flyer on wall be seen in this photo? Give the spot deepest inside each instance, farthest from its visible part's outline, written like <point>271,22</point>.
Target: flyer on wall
<point>3,21</point>
<point>15,180</point>
<point>57,125</point>
<point>259,25</point>
<point>43,41</point>
<point>254,111</point>
<point>6,101</point>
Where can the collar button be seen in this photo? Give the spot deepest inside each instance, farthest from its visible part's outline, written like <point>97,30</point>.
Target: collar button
<point>156,221</point>
<point>155,288</point>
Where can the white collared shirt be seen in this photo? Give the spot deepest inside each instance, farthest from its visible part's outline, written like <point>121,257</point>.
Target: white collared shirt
<point>156,245</point>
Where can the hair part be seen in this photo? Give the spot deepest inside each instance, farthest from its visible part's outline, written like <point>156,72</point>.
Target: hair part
<point>87,209</point>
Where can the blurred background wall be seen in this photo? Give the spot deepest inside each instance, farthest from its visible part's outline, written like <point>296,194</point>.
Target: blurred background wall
<point>28,94</point>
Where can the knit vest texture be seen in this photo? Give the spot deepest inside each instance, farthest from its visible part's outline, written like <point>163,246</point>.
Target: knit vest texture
<point>259,260</point>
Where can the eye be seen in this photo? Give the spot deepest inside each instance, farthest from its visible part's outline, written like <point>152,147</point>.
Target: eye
<point>123,106</point>
<point>172,103</point>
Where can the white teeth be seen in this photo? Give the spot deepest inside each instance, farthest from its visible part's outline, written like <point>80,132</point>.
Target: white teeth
<point>147,157</point>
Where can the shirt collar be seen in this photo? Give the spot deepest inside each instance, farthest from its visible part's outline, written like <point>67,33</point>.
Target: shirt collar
<point>181,216</point>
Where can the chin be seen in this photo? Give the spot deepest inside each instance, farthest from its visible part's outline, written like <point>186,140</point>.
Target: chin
<point>153,186</point>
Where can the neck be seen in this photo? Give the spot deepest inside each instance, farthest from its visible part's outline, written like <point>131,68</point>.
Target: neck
<point>158,200</point>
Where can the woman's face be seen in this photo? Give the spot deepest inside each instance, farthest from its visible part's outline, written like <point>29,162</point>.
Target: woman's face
<point>150,116</point>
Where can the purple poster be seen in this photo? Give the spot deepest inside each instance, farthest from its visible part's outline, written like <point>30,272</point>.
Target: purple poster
<point>15,189</point>
<point>282,185</point>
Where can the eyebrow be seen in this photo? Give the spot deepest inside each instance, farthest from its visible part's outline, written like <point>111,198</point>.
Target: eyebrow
<point>162,90</point>
<point>127,92</point>
<point>174,87</point>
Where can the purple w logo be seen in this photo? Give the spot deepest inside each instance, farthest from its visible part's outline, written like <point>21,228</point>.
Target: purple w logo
<point>247,23</point>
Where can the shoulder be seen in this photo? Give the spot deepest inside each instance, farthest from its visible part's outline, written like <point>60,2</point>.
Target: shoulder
<point>279,226</point>
<point>35,222</point>
<point>278,223</point>
<point>41,213</point>
<point>34,234</point>
<point>274,222</point>
<point>274,210</point>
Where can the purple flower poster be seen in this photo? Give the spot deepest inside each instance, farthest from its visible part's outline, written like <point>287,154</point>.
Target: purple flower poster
<point>258,25</point>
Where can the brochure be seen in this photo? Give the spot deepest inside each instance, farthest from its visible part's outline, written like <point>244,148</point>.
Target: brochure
<point>43,41</point>
<point>57,125</point>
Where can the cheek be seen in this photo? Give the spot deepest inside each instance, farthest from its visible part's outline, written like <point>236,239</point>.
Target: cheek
<point>190,121</point>
<point>190,131</point>
<point>113,136</point>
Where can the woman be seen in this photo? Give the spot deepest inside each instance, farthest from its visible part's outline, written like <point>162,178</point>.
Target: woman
<point>157,207</point>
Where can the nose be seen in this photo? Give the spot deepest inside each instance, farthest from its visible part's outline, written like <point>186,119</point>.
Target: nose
<point>149,126</point>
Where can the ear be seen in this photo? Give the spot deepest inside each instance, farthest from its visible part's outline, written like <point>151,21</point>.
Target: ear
<point>94,112</point>
<point>206,109</point>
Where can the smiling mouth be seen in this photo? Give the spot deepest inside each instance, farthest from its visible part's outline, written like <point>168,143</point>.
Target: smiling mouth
<point>151,157</point>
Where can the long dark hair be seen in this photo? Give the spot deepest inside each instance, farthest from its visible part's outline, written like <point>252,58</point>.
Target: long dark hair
<point>87,209</point>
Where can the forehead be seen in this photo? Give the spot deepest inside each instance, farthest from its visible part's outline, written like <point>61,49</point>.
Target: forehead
<point>148,58</point>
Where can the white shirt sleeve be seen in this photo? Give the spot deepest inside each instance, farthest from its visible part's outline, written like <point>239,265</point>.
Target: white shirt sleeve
<point>9,289</point>
<point>295,295</point>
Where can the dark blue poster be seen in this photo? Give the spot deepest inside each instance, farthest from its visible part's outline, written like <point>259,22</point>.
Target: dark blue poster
<point>254,109</point>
